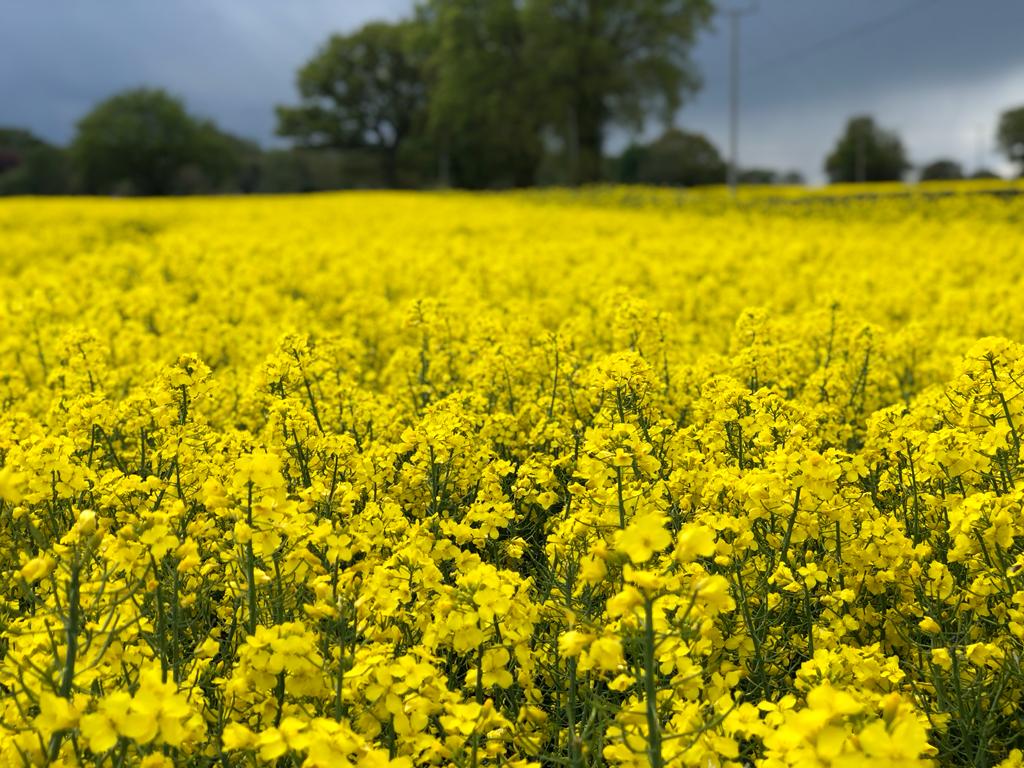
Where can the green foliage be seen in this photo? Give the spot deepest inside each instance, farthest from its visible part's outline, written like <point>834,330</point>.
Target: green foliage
<point>943,169</point>
<point>483,92</point>
<point>600,62</point>
<point>224,162</point>
<point>757,176</point>
<point>1010,136</point>
<point>866,152</point>
<point>31,166</point>
<point>677,158</point>
<point>985,173</point>
<point>134,142</point>
<point>14,144</point>
<point>769,176</point>
<point>144,142</point>
<point>365,89</point>
<point>317,170</point>
<point>489,88</point>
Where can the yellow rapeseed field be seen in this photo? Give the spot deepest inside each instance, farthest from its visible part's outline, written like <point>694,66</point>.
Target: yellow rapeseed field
<point>546,479</point>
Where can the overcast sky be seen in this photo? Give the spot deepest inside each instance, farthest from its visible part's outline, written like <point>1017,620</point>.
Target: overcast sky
<point>937,71</point>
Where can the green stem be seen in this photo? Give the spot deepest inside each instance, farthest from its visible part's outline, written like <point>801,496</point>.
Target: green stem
<point>71,629</point>
<point>622,506</point>
<point>789,528</point>
<point>250,568</point>
<point>654,756</point>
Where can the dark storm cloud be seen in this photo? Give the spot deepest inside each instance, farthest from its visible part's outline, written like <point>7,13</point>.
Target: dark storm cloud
<point>936,70</point>
<point>231,60</point>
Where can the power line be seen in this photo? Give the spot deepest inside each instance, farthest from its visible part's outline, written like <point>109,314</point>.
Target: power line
<point>852,33</point>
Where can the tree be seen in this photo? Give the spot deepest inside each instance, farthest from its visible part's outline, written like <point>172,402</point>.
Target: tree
<point>769,176</point>
<point>985,173</point>
<point>313,170</point>
<point>866,152</point>
<point>144,142</point>
<point>758,176</point>
<point>1010,136</point>
<point>363,90</point>
<point>677,158</point>
<point>600,62</point>
<point>943,169</point>
<point>15,144</point>
<point>31,166</point>
<point>134,142</point>
<point>224,162</point>
<point>483,94</point>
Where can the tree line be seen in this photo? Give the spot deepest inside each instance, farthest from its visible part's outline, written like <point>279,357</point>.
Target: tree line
<point>495,94</point>
<point>867,152</point>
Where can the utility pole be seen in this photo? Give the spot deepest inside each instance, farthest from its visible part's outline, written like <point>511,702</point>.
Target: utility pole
<point>979,147</point>
<point>735,14</point>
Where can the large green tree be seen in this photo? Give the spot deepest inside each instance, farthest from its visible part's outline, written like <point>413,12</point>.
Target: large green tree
<point>866,152</point>
<point>1010,136</point>
<point>361,90</point>
<point>483,114</point>
<point>143,141</point>
<point>600,62</point>
<point>134,142</point>
<point>490,87</point>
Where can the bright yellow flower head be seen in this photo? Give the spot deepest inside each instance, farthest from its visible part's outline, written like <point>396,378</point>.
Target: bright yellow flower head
<point>644,537</point>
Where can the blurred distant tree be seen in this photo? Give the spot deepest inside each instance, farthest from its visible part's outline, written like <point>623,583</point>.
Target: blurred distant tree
<point>1010,136</point>
<point>483,111</point>
<point>31,166</point>
<point>769,176</point>
<point>497,90</point>
<point>284,171</point>
<point>225,162</point>
<point>626,167</point>
<point>758,176</point>
<point>599,62</point>
<point>144,142</point>
<point>985,173</point>
<point>362,90</point>
<point>134,142</point>
<point>15,144</point>
<point>943,169</point>
<point>866,152</point>
<point>677,158</point>
<point>314,170</point>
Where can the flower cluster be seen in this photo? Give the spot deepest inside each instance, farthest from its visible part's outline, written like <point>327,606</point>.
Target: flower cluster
<point>521,480</point>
